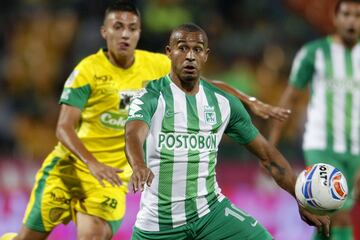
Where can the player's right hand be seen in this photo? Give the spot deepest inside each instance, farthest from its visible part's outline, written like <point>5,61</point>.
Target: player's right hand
<point>267,111</point>
<point>103,172</point>
<point>140,176</point>
<point>321,222</point>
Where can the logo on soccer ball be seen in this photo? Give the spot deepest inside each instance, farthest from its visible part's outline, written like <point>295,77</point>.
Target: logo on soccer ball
<point>337,189</point>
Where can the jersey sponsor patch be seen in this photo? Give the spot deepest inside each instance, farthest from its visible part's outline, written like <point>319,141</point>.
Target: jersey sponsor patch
<point>113,120</point>
<point>187,141</point>
<point>335,84</point>
<point>125,98</point>
<point>65,94</point>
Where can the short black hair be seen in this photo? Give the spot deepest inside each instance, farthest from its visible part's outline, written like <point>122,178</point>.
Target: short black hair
<point>190,27</point>
<point>123,6</point>
<point>339,2</point>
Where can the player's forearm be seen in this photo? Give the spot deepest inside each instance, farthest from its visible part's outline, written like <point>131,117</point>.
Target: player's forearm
<point>287,101</point>
<point>135,135</point>
<point>68,137</point>
<point>227,88</point>
<point>276,132</point>
<point>134,152</point>
<point>277,128</point>
<point>280,170</point>
<point>272,160</point>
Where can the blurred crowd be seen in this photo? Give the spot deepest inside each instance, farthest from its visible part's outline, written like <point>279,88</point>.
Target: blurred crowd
<point>252,45</point>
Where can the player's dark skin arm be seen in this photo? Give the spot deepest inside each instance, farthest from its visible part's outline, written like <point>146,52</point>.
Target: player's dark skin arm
<point>288,100</point>
<point>272,160</point>
<point>135,134</point>
<point>256,106</point>
<point>68,121</point>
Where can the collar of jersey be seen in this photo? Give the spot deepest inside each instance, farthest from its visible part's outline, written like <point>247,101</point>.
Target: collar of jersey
<point>168,78</point>
<point>116,68</point>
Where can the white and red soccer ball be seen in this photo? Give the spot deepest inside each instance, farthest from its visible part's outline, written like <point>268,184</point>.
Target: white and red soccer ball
<point>321,188</point>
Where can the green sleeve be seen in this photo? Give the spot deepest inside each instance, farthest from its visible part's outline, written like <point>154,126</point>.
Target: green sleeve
<point>303,68</point>
<point>76,97</point>
<point>143,105</point>
<point>77,89</point>
<point>240,127</point>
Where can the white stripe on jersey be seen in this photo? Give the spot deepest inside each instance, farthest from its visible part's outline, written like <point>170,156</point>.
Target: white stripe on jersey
<point>315,128</point>
<point>203,172</point>
<point>147,218</point>
<point>355,118</point>
<point>297,61</point>
<point>181,162</point>
<point>225,118</point>
<point>355,149</point>
<point>339,71</point>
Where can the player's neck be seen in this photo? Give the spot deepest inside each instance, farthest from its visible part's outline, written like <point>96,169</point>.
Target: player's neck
<point>346,43</point>
<point>120,61</point>
<point>189,87</point>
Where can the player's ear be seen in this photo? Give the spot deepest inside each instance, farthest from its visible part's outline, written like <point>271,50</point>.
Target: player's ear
<point>103,31</point>
<point>334,18</point>
<point>168,50</point>
<point>207,51</point>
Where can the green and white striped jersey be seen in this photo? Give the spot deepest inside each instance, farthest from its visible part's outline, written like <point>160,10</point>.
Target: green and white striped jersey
<point>181,149</point>
<point>333,72</point>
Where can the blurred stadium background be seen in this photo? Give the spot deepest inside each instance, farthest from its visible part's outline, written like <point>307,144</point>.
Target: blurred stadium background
<point>252,43</point>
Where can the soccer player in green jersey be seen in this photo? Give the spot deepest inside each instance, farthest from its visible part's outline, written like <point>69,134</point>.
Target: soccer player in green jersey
<point>85,177</point>
<point>172,137</point>
<point>331,67</point>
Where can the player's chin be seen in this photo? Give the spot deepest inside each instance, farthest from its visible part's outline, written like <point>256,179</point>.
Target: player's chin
<point>351,37</point>
<point>124,52</point>
<point>189,77</point>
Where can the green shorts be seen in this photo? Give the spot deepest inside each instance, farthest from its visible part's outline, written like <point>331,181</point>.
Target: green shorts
<point>347,164</point>
<point>225,222</point>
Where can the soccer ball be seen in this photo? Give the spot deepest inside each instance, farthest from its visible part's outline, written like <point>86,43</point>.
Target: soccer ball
<point>321,188</point>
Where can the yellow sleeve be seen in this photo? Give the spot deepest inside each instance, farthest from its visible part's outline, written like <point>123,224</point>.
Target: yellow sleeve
<point>78,86</point>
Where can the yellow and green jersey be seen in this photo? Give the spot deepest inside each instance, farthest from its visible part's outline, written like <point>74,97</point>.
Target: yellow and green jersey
<point>103,91</point>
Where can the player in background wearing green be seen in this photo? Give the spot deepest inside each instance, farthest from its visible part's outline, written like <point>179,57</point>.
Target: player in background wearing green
<point>330,68</point>
<point>70,184</point>
<point>172,136</point>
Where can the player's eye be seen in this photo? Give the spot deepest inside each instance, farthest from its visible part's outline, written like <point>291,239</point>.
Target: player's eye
<point>133,28</point>
<point>198,49</point>
<point>117,26</point>
<point>182,48</point>
<point>346,14</point>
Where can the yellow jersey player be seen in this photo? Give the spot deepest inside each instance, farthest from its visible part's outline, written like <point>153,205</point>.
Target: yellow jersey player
<point>85,177</point>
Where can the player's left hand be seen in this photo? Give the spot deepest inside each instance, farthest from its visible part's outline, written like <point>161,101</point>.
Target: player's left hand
<point>141,175</point>
<point>321,222</point>
<point>266,111</point>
